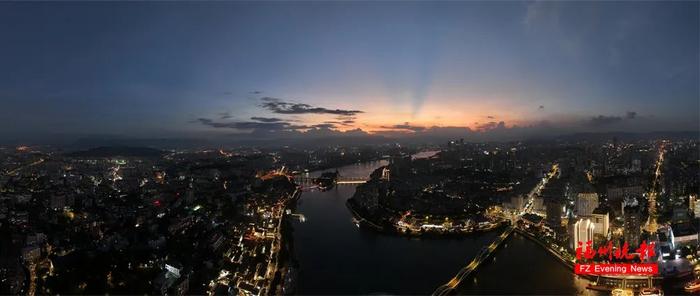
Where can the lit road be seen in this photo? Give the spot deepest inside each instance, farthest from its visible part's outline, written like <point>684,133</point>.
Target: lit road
<point>651,222</point>
<point>535,191</point>
<point>32,279</point>
<point>264,282</point>
<point>12,172</point>
<point>273,263</point>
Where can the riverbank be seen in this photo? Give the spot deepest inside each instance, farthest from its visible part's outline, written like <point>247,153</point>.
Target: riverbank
<point>336,257</point>
<point>598,283</point>
<point>360,220</point>
<point>547,248</point>
<point>388,228</point>
<point>521,267</point>
<point>286,265</point>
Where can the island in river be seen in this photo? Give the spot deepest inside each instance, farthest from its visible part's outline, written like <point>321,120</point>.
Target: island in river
<point>431,196</point>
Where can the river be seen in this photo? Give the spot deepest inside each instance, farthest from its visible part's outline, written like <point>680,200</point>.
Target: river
<point>336,257</point>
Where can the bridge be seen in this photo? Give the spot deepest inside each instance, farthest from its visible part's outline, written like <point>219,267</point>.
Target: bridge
<point>299,217</point>
<point>487,252</point>
<point>309,181</point>
<point>480,258</point>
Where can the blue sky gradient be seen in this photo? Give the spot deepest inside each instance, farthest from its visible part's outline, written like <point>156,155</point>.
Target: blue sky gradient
<point>148,69</point>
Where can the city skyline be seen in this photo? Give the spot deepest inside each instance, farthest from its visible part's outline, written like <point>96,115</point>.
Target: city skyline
<point>440,148</point>
<point>234,70</point>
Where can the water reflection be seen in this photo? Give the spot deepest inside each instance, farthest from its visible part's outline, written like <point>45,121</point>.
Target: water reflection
<point>523,267</point>
<point>336,257</point>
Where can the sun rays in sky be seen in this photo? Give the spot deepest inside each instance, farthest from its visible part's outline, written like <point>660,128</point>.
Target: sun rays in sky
<point>406,67</point>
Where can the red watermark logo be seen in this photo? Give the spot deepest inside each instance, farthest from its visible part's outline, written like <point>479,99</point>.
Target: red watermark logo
<point>588,254</point>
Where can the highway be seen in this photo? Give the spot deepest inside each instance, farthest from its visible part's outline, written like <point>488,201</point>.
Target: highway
<point>652,226</point>
<point>12,172</point>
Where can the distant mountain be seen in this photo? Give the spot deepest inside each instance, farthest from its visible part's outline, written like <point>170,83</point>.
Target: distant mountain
<point>119,141</point>
<point>627,136</point>
<point>325,137</point>
<point>116,151</point>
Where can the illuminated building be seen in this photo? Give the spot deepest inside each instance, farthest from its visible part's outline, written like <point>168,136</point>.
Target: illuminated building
<point>386,174</point>
<point>586,203</point>
<point>695,206</point>
<point>581,231</point>
<point>555,208</point>
<point>515,204</point>
<point>601,220</point>
<point>633,225</point>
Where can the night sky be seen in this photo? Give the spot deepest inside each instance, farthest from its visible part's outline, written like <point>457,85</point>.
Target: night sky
<point>393,68</point>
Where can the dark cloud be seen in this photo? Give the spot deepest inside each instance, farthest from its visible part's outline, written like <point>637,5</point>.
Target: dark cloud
<point>281,107</point>
<point>394,133</point>
<point>320,132</point>
<point>263,124</point>
<point>438,133</point>
<point>601,120</point>
<point>267,119</point>
<point>489,131</point>
<point>345,117</point>
<point>271,124</point>
<point>540,107</point>
<point>255,125</point>
<point>343,122</point>
<point>490,117</point>
<point>346,120</point>
<point>491,125</point>
<point>256,92</point>
<point>225,115</point>
<point>260,125</point>
<point>312,132</point>
<point>324,125</point>
<point>405,126</point>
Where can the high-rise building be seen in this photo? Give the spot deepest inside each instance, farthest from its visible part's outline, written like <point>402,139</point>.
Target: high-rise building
<point>636,166</point>
<point>581,231</point>
<point>680,215</point>
<point>554,197</point>
<point>386,174</point>
<point>58,201</point>
<point>695,205</point>
<point>601,219</point>
<point>622,192</point>
<point>555,208</point>
<point>633,225</point>
<point>516,203</point>
<point>538,205</point>
<point>586,203</point>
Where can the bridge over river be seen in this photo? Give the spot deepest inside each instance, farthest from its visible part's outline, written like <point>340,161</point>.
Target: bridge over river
<point>488,251</point>
<point>468,270</point>
<point>341,180</point>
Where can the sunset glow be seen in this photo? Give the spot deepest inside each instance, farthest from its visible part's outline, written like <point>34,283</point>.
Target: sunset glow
<point>506,69</point>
